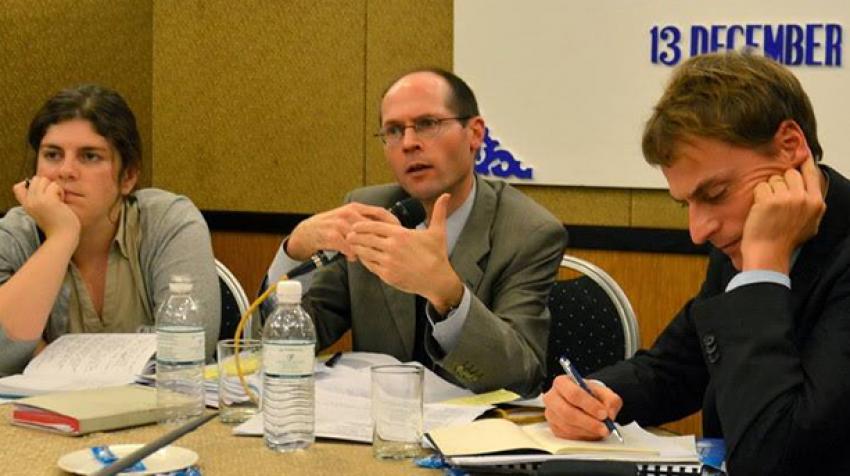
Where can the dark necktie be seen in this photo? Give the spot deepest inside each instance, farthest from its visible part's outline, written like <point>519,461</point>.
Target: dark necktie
<point>419,353</point>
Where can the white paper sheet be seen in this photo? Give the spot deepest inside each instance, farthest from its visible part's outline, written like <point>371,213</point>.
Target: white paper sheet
<point>343,401</point>
<point>349,418</point>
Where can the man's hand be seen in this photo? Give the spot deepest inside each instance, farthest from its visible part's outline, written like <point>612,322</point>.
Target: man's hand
<point>575,414</point>
<point>327,230</point>
<point>786,212</point>
<point>414,261</point>
<point>43,201</point>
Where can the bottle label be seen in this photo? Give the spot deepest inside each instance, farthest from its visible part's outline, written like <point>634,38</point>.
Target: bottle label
<point>289,359</point>
<point>180,345</point>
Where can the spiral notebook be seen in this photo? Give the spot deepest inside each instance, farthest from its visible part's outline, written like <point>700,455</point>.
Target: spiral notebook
<point>500,446</point>
<point>668,469</point>
<point>534,468</point>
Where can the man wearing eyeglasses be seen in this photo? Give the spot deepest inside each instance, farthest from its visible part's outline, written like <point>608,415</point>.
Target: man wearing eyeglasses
<point>464,293</point>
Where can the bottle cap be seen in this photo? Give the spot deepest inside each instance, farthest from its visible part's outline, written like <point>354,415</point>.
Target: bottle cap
<point>289,292</point>
<point>180,284</point>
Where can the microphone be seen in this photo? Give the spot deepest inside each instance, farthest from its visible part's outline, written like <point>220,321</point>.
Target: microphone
<point>409,212</point>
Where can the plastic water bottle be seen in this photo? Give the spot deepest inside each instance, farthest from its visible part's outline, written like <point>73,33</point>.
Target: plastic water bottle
<point>289,354</point>
<point>180,354</point>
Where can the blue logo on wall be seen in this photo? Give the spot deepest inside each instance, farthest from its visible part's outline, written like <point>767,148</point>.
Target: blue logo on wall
<point>494,160</point>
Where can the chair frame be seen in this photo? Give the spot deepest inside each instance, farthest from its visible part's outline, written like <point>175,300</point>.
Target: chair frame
<point>238,294</point>
<point>621,302</point>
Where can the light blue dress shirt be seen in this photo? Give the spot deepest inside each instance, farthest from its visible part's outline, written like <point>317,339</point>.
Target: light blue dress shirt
<point>754,276</point>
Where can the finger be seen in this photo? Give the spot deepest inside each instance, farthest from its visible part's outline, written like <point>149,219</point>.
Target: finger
<point>362,212</point>
<point>367,253</point>
<point>380,215</point>
<point>610,400</point>
<point>367,240</point>
<point>811,176</point>
<point>54,189</point>
<point>39,184</point>
<point>333,235</point>
<point>777,184</point>
<point>568,420</point>
<point>375,228</point>
<point>20,192</point>
<point>794,180</point>
<point>439,213</point>
<point>571,422</point>
<point>561,429</point>
<point>324,231</point>
<point>44,186</point>
<point>578,397</point>
<point>762,192</point>
<point>347,250</point>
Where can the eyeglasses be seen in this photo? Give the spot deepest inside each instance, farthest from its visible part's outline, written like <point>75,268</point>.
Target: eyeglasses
<point>424,127</point>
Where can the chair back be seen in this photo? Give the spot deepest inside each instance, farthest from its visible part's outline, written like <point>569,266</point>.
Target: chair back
<point>234,302</point>
<point>593,322</point>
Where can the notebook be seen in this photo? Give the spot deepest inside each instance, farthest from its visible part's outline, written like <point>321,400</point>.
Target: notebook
<point>85,411</point>
<point>565,466</point>
<point>79,361</point>
<point>495,436</point>
<point>609,468</point>
<point>501,443</point>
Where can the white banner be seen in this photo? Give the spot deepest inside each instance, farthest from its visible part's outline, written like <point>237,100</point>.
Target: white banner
<point>566,86</point>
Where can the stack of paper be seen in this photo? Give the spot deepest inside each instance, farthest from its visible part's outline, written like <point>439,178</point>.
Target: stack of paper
<point>343,401</point>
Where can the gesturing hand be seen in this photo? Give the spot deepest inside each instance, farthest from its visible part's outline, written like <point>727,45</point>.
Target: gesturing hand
<point>786,212</point>
<point>327,230</point>
<point>43,201</point>
<point>414,261</point>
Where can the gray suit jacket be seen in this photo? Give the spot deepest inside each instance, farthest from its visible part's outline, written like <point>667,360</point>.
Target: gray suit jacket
<point>507,255</point>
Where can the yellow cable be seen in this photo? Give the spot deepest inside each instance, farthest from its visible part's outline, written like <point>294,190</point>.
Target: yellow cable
<point>238,336</point>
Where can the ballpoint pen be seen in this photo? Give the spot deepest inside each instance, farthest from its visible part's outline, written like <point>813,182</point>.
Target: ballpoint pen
<point>573,374</point>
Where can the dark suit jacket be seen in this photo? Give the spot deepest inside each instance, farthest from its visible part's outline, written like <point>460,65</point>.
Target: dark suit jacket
<point>507,255</point>
<point>769,366</point>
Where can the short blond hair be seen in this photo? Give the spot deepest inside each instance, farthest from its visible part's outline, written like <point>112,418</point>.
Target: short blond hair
<point>737,98</point>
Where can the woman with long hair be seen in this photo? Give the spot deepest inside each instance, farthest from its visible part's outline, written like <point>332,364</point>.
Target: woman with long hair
<point>86,251</point>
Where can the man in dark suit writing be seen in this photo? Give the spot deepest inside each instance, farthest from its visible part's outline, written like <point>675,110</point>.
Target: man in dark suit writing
<point>466,292</point>
<point>764,348</point>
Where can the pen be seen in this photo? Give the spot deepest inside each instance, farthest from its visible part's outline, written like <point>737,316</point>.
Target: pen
<point>333,360</point>
<point>573,373</point>
<point>153,446</point>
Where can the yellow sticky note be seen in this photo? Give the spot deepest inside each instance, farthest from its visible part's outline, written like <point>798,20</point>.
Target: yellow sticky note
<point>249,365</point>
<point>489,398</point>
<point>211,372</point>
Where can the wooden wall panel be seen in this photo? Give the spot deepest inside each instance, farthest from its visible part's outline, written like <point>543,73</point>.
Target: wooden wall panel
<point>656,209</point>
<point>259,105</point>
<point>584,205</point>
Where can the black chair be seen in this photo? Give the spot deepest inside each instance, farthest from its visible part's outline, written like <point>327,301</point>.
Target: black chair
<point>593,323</point>
<point>234,303</point>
